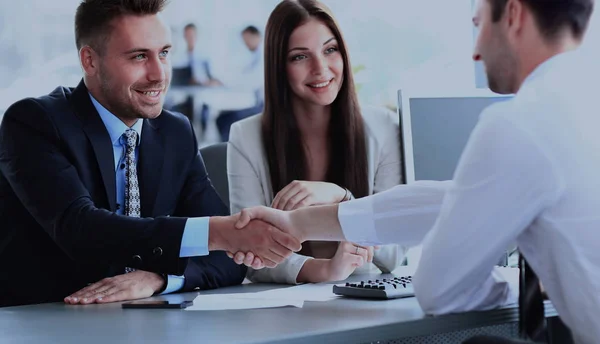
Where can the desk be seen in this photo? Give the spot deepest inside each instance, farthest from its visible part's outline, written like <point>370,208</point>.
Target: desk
<point>217,99</point>
<point>338,321</point>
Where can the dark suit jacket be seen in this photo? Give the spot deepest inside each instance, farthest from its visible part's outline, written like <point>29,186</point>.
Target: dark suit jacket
<point>58,226</point>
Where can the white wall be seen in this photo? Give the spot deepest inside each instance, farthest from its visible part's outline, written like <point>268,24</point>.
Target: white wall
<point>592,39</point>
<point>402,43</point>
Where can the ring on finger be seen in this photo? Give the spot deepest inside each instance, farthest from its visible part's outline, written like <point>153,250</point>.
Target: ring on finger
<point>357,249</point>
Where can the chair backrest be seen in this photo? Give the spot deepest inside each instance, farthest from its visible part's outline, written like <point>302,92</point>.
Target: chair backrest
<point>215,160</point>
<point>181,76</point>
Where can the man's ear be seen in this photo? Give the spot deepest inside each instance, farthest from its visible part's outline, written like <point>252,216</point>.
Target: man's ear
<point>514,17</point>
<point>89,60</point>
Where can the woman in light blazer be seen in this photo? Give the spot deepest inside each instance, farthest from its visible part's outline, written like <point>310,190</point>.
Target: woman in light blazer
<point>313,144</point>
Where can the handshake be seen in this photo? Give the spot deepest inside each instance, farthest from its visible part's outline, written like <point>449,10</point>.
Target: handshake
<point>257,237</point>
<point>264,237</point>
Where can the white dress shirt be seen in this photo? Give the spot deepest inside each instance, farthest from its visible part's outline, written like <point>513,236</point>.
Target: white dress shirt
<point>529,174</point>
<point>250,183</point>
<point>253,73</point>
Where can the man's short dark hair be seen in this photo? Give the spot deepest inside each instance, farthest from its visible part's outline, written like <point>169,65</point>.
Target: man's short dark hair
<point>94,17</point>
<point>189,26</point>
<point>552,16</point>
<point>251,29</point>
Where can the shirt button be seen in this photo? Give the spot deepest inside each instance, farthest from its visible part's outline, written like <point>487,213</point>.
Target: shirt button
<point>122,166</point>
<point>118,206</point>
<point>137,261</point>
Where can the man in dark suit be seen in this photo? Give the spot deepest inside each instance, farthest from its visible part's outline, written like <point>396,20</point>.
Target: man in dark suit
<point>100,184</point>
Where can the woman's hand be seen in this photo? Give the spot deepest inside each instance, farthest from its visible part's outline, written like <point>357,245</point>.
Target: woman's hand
<point>347,258</point>
<point>299,194</point>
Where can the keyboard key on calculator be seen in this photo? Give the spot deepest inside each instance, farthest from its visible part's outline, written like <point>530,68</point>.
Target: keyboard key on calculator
<point>379,289</point>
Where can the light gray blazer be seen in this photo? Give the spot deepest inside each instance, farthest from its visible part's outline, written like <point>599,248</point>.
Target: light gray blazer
<point>250,183</point>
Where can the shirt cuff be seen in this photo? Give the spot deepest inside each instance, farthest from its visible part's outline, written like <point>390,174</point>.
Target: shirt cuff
<point>293,270</point>
<point>357,221</point>
<point>286,272</point>
<point>195,238</point>
<point>174,283</point>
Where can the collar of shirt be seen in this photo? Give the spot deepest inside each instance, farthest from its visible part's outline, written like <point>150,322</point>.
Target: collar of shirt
<point>115,127</point>
<point>543,67</point>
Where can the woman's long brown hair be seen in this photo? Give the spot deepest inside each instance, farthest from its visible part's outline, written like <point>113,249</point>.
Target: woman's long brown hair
<point>281,135</point>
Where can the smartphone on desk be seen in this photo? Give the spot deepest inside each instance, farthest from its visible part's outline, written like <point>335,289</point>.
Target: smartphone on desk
<point>156,304</point>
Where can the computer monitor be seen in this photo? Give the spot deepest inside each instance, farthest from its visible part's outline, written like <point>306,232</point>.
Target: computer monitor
<point>435,127</point>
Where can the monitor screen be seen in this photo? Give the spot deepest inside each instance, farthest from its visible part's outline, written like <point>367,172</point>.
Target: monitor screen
<point>435,131</point>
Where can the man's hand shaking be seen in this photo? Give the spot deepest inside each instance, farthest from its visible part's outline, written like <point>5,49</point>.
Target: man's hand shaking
<point>277,218</point>
<point>269,244</point>
<point>310,223</point>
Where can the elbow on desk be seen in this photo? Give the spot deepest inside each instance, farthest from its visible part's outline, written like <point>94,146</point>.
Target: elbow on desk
<point>433,297</point>
<point>438,295</point>
<point>430,305</point>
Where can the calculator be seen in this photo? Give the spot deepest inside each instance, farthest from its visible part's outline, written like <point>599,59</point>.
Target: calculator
<point>383,289</point>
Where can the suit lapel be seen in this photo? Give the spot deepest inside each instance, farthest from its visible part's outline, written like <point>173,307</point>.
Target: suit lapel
<point>100,140</point>
<point>151,159</point>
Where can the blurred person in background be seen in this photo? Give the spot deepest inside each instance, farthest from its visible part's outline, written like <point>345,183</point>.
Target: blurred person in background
<point>251,78</point>
<point>199,63</point>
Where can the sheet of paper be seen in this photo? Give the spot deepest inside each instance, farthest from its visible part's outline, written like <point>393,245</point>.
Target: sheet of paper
<point>218,302</point>
<point>511,275</point>
<point>305,292</point>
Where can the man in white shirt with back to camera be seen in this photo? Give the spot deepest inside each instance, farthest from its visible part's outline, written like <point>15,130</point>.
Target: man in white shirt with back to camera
<point>530,173</point>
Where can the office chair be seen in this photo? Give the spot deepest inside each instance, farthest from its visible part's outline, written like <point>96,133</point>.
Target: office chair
<point>215,160</point>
